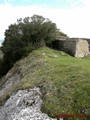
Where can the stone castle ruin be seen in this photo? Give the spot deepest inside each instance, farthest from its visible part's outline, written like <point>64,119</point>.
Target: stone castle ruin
<point>77,47</point>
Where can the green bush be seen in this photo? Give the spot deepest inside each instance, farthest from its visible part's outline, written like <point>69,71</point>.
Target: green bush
<point>26,35</point>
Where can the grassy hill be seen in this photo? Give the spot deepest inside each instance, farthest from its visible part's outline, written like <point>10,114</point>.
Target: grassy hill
<point>64,80</point>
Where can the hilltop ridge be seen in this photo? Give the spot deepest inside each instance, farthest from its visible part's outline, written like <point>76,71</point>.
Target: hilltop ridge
<point>63,81</point>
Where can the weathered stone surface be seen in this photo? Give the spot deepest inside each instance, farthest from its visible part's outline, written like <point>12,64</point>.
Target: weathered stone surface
<point>82,48</point>
<point>1,54</point>
<point>12,78</point>
<point>77,47</point>
<point>24,105</point>
<point>68,46</point>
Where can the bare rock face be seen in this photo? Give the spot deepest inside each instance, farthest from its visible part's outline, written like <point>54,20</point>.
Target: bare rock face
<point>24,105</point>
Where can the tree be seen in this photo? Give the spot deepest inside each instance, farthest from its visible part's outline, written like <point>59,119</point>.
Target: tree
<point>25,35</point>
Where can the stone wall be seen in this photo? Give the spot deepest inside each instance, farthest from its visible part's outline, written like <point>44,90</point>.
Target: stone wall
<point>77,47</point>
<point>68,46</point>
<point>89,44</point>
<point>82,48</point>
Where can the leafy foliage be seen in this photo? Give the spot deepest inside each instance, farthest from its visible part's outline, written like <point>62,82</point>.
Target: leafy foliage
<point>26,35</point>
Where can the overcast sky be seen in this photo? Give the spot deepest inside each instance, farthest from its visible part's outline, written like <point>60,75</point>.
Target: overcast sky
<point>71,16</point>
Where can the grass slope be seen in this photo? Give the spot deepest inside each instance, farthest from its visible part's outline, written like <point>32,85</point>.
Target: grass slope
<point>63,80</point>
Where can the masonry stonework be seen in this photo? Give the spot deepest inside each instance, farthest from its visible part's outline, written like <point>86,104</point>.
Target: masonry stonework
<point>77,47</point>
<point>82,48</point>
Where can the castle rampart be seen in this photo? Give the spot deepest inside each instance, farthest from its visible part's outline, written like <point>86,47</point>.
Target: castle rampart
<point>78,47</point>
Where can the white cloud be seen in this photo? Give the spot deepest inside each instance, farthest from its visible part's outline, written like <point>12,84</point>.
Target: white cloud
<point>74,22</point>
<point>86,3</point>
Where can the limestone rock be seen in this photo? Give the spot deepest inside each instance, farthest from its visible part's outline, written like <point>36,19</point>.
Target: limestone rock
<point>24,105</point>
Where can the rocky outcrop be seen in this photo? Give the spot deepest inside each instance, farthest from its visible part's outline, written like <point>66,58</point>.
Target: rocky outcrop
<point>12,78</point>
<point>24,105</point>
<point>1,54</point>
